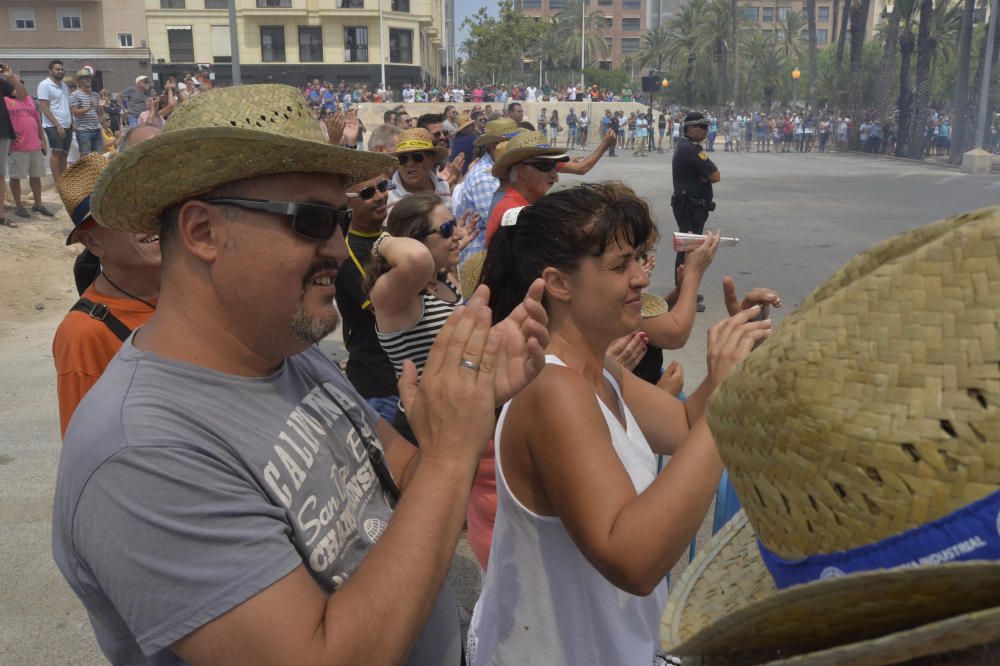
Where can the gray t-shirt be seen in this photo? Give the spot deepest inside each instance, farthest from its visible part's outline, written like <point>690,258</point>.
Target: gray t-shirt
<point>183,492</point>
<point>135,100</point>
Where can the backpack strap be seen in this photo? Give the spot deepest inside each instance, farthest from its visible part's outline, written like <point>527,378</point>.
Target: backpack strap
<point>102,313</point>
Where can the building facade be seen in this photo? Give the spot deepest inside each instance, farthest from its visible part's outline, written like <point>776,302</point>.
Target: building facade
<point>294,41</point>
<point>108,35</point>
<point>624,26</point>
<point>767,16</point>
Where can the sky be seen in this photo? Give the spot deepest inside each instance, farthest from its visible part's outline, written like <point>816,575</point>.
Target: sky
<point>465,8</point>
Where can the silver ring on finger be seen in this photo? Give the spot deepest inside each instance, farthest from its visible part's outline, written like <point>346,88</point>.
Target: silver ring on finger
<point>470,365</point>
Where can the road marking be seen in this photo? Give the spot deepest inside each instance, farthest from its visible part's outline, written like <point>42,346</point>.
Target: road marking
<point>947,179</point>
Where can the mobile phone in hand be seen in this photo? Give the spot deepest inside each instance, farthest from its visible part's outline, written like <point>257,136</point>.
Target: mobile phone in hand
<point>761,317</point>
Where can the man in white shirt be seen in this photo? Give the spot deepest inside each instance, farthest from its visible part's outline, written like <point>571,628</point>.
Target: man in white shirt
<point>408,93</point>
<point>571,93</point>
<point>532,93</point>
<point>457,94</point>
<point>57,121</point>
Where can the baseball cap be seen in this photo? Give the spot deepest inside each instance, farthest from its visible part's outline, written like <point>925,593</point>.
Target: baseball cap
<point>141,77</point>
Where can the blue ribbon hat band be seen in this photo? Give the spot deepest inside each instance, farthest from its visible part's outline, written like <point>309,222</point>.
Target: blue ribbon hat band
<point>81,212</point>
<point>970,533</point>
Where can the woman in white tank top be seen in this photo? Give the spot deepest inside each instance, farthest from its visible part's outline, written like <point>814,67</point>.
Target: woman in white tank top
<point>586,529</point>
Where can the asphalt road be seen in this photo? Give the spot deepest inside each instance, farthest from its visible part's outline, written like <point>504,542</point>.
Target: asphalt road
<point>799,218</point>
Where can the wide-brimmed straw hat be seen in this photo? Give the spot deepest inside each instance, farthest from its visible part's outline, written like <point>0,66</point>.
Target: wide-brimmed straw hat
<point>862,439</point>
<point>470,271</point>
<point>419,140</point>
<point>75,187</point>
<point>498,130</point>
<point>464,120</point>
<point>652,305</point>
<point>527,145</point>
<point>221,136</point>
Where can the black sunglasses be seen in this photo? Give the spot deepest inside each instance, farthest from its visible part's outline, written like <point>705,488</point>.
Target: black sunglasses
<point>447,230</point>
<point>309,220</point>
<point>406,157</point>
<point>369,192</point>
<point>544,167</point>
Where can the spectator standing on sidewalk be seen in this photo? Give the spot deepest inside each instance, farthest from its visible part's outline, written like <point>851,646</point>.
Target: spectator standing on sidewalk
<point>134,98</point>
<point>27,154</point>
<point>53,99</point>
<point>11,89</point>
<point>85,105</point>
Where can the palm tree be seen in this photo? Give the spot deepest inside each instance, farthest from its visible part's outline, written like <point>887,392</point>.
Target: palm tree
<point>790,26</point>
<point>925,50</point>
<point>715,35</point>
<point>683,32</point>
<point>842,33</point>
<point>770,66</point>
<point>907,43</point>
<point>567,25</point>
<point>657,46</point>
<point>959,124</point>
<point>887,66</point>
<point>813,68</point>
<point>859,22</point>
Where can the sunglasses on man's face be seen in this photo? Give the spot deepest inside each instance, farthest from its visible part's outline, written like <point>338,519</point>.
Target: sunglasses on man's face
<point>406,157</point>
<point>309,220</point>
<point>544,166</point>
<point>368,192</point>
<point>447,230</point>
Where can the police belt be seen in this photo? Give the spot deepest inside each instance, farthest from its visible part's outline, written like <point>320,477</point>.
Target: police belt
<point>685,201</point>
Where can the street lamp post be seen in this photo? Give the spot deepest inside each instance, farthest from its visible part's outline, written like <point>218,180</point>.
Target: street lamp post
<point>234,45</point>
<point>583,40</point>
<point>795,77</point>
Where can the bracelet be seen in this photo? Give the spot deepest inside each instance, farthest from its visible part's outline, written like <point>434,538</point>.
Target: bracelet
<point>378,244</point>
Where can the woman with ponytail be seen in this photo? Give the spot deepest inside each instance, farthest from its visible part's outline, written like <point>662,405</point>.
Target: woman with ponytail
<point>586,529</point>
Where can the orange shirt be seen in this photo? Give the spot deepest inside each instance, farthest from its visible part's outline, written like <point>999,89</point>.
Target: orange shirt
<point>512,199</point>
<point>83,347</point>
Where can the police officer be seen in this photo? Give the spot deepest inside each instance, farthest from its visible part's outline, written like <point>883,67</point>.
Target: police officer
<point>694,174</point>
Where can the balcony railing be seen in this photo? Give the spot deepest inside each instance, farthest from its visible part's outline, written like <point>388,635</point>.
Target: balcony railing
<point>356,54</point>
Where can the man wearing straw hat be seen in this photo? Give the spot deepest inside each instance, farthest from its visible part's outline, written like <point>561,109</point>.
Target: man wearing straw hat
<point>121,299</point>
<point>417,154</point>
<point>862,441</point>
<point>224,494</point>
<point>480,184</point>
<point>530,164</point>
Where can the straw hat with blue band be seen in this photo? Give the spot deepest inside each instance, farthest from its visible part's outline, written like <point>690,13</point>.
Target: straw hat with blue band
<point>501,129</point>
<point>419,140</point>
<point>527,145</point>
<point>218,137</point>
<point>75,187</point>
<point>862,440</point>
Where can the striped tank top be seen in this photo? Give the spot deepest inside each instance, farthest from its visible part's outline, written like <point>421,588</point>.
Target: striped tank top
<point>415,342</point>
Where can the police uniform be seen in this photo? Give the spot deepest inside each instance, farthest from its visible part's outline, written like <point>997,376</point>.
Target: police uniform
<point>692,199</point>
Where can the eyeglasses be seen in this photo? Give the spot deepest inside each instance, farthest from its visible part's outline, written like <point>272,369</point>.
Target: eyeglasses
<point>447,230</point>
<point>369,192</point>
<point>309,220</point>
<point>544,167</point>
<point>406,157</point>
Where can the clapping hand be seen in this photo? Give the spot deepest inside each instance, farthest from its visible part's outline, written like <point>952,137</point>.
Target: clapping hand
<point>469,226</point>
<point>522,351</point>
<point>629,349</point>
<point>335,127</point>
<point>351,128</point>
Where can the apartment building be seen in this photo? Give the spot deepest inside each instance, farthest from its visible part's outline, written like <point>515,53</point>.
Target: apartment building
<point>108,35</point>
<point>292,41</point>
<point>767,16</point>
<point>625,24</point>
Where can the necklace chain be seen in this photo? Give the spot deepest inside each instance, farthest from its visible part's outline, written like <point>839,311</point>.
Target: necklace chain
<point>132,296</point>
